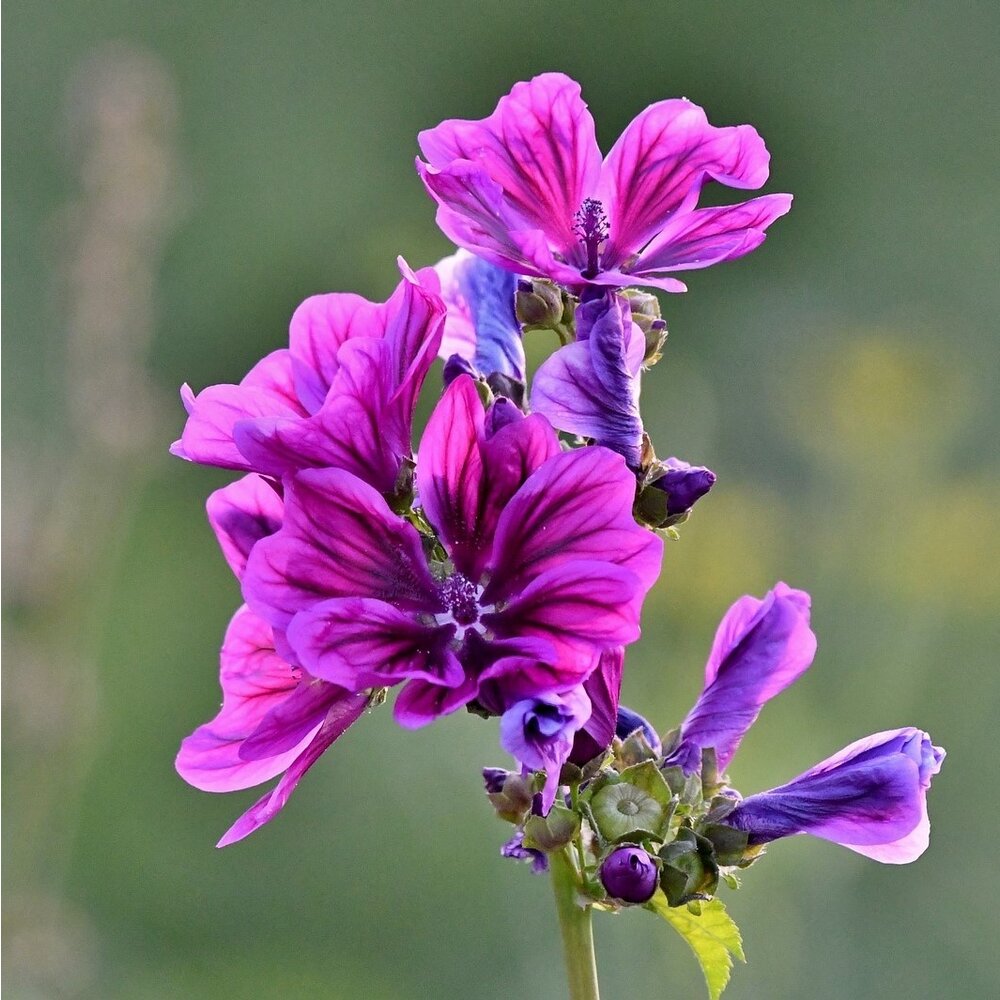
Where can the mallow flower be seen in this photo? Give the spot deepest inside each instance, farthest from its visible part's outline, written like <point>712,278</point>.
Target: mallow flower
<point>341,395</point>
<point>527,189</point>
<point>275,719</point>
<point>534,571</point>
<point>870,797</point>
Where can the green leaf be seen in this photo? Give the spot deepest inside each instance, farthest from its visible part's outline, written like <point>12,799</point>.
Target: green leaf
<point>711,935</point>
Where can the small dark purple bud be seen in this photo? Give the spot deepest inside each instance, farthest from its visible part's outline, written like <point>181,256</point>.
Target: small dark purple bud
<point>629,721</point>
<point>629,874</point>
<point>514,848</point>
<point>493,779</point>
<point>538,304</point>
<point>683,484</point>
<point>456,365</point>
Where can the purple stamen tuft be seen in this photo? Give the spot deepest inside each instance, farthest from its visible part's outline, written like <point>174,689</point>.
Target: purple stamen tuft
<point>461,597</point>
<point>591,225</point>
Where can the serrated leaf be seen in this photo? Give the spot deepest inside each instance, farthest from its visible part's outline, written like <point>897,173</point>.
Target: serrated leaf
<point>712,936</point>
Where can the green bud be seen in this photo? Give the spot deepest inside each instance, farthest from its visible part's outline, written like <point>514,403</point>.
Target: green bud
<point>549,833</point>
<point>635,749</point>
<point>513,801</point>
<point>690,871</point>
<point>646,315</point>
<point>538,304</point>
<point>728,843</point>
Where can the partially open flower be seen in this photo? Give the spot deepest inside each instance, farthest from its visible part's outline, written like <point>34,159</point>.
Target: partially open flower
<point>629,874</point>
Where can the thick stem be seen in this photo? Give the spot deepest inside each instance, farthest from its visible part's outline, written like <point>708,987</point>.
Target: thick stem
<point>574,923</point>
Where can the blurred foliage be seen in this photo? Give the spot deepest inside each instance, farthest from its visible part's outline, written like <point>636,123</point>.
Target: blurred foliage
<point>180,175</point>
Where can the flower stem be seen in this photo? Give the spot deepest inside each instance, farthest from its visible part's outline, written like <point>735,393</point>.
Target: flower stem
<point>574,923</point>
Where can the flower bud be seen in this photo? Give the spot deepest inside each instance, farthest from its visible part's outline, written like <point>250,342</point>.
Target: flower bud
<point>672,488</point>
<point>646,315</point>
<point>629,874</point>
<point>538,304</point>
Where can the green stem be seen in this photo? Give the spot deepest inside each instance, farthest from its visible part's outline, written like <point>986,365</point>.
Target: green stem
<point>574,923</point>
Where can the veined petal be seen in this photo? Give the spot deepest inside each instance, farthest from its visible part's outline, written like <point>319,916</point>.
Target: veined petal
<point>360,643</point>
<point>339,539</point>
<point>578,505</point>
<point>288,723</point>
<point>870,798</point>
<point>603,687</point>
<point>254,680</point>
<point>339,719</point>
<point>658,165</point>
<point>538,146</point>
<point>241,514</point>
<point>710,235</point>
<point>319,326</point>
<point>420,702</point>
<point>760,648</point>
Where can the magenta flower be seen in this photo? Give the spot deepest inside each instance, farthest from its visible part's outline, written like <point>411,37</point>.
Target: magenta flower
<point>341,395</point>
<point>545,569</point>
<point>871,797</point>
<point>274,718</point>
<point>526,188</point>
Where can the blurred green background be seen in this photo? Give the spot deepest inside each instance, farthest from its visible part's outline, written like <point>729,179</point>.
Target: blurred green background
<point>180,175</point>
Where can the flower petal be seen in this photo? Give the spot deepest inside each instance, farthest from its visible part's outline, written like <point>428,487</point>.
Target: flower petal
<point>578,505</point>
<point>339,719</point>
<point>538,146</point>
<point>659,164</point>
<point>603,687</point>
<point>254,680</point>
<point>241,514</point>
<point>421,702</point>
<point>361,643</point>
<point>339,539</point>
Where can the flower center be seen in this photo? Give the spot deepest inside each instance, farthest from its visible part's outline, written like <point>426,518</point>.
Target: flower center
<point>591,226</point>
<point>461,597</point>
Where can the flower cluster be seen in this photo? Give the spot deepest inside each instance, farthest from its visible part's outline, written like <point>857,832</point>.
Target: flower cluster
<point>500,563</point>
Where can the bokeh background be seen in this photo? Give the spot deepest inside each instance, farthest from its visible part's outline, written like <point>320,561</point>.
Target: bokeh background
<point>179,175</point>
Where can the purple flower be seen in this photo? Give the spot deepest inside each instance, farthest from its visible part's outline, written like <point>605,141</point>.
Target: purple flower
<point>539,733</point>
<point>481,333</point>
<point>591,387</point>
<point>274,718</point>
<point>341,396</point>
<point>514,848</point>
<point>546,569</point>
<point>603,687</point>
<point>629,874</point>
<point>871,797</point>
<point>526,188</point>
<point>683,484</point>
<point>761,647</point>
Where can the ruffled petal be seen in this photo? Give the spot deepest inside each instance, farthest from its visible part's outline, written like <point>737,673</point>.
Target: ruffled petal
<point>254,680</point>
<point>659,164</point>
<point>241,514</point>
<point>339,719</point>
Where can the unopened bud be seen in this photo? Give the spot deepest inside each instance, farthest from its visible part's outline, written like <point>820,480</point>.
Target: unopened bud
<point>629,874</point>
<point>538,304</point>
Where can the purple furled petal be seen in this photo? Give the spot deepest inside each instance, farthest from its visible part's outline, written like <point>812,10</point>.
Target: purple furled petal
<point>591,387</point>
<point>360,643</point>
<point>465,479</point>
<point>603,687</point>
<point>710,235</point>
<point>319,327</point>
<point>341,716</point>
<point>538,147</point>
<point>254,681</point>
<point>761,647</point>
<point>684,485</point>
<point>539,733</point>
<point>339,539</point>
<point>515,849</point>
<point>659,164</point>
<point>578,505</point>
<point>480,326</point>
<point>214,412</point>
<point>241,514</point>
<point>871,797</point>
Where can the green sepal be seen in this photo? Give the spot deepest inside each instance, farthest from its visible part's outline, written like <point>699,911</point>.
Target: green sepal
<point>635,749</point>
<point>729,843</point>
<point>689,871</point>
<point>686,786</point>
<point>710,934</point>
<point>552,832</point>
<point>622,810</point>
<point>513,801</point>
